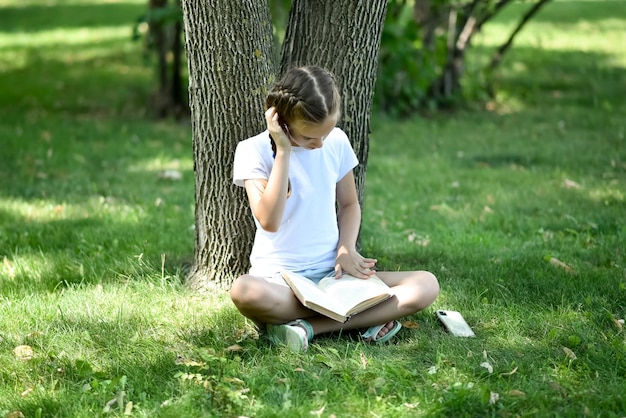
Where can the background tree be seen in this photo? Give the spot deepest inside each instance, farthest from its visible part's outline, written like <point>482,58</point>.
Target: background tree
<point>424,51</point>
<point>343,37</point>
<point>229,49</point>
<point>164,39</point>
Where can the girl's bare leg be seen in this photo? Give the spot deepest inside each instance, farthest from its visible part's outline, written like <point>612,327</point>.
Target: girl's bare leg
<point>265,302</point>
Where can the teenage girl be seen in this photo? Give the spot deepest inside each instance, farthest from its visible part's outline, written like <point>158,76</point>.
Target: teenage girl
<point>300,186</point>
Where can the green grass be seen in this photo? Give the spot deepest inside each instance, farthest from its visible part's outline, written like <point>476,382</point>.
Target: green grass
<point>94,238</point>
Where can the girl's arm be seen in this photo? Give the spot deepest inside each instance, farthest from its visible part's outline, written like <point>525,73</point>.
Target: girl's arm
<point>267,197</point>
<point>349,221</point>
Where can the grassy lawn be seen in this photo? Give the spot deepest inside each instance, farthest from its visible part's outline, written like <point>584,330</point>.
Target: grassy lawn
<point>519,210</point>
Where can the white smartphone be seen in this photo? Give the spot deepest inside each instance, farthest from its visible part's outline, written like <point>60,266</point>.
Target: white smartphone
<point>454,322</point>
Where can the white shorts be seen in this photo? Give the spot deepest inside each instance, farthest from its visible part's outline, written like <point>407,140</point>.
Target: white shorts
<point>315,275</point>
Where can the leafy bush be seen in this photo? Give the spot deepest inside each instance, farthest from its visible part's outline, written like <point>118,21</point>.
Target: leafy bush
<point>406,68</point>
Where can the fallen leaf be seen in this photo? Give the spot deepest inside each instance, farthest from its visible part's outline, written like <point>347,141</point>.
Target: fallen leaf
<point>515,392</point>
<point>319,412</point>
<point>128,410</point>
<point>8,264</point>
<point>569,353</point>
<point>509,373</point>
<point>234,347</point>
<point>26,392</point>
<point>410,324</point>
<point>570,184</point>
<point>15,414</point>
<point>234,380</point>
<point>432,370</point>
<point>363,360</point>
<point>24,352</point>
<point>108,407</point>
<point>189,362</point>
<point>171,175</point>
<point>558,263</point>
<point>487,366</point>
<point>619,323</point>
<point>298,369</point>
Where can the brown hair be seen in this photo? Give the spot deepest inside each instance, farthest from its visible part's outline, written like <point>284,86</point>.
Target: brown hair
<point>305,94</point>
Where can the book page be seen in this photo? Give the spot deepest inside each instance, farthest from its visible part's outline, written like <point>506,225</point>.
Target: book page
<point>308,293</point>
<point>351,291</point>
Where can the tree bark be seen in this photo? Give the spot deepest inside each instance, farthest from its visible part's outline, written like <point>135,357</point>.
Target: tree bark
<point>343,37</point>
<point>229,49</point>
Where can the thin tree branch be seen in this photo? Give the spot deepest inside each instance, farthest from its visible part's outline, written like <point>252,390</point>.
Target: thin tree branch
<point>499,54</point>
<point>498,7</point>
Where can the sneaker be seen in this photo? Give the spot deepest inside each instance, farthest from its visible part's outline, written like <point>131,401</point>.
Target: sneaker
<point>295,334</point>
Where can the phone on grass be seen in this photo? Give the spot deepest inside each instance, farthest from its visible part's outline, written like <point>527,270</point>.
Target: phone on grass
<point>454,322</point>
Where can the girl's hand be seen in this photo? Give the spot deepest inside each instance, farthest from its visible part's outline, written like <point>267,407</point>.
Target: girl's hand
<point>353,263</point>
<point>281,138</point>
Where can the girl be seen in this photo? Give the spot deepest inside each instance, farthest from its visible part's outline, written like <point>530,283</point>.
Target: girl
<point>301,190</point>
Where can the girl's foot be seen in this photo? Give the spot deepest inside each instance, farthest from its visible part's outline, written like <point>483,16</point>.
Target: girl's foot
<point>295,334</point>
<point>382,333</point>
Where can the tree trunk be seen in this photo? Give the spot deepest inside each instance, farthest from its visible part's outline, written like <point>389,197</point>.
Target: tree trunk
<point>229,49</point>
<point>343,37</point>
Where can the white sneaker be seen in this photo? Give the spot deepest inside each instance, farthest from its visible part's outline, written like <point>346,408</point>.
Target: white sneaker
<point>295,334</point>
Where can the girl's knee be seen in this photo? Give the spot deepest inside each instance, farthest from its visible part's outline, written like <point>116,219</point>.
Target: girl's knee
<point>242,290</point>
<point>431,284</point>
<point>431,288</point>
<point>426,288</point>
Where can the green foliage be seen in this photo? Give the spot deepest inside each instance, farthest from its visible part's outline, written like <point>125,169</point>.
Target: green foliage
<point>165,15</point>
<point>425,63</point>
<point>405,68</point>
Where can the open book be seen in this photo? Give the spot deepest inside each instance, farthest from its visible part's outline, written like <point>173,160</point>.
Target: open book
<point>338,299</point>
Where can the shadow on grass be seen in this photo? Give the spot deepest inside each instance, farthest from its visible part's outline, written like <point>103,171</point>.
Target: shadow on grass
<point>591,80</point>
<point>62,92</point>
<point>83,86</point>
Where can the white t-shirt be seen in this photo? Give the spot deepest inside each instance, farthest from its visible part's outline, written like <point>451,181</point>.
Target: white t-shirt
<point>308,234</point>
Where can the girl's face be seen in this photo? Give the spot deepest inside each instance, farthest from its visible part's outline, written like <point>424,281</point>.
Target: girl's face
<point>310,136</point>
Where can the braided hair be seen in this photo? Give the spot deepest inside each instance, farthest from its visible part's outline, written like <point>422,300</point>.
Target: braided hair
<point>305,94</point>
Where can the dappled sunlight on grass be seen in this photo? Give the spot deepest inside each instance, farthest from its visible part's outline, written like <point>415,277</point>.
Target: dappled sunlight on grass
<point>585,36</point>
<point>53,42</point>
<point>518,211</point>
<point>162,163</point>
<point>52,3</point>
<point>94,207</point>
<point>608,195</point>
